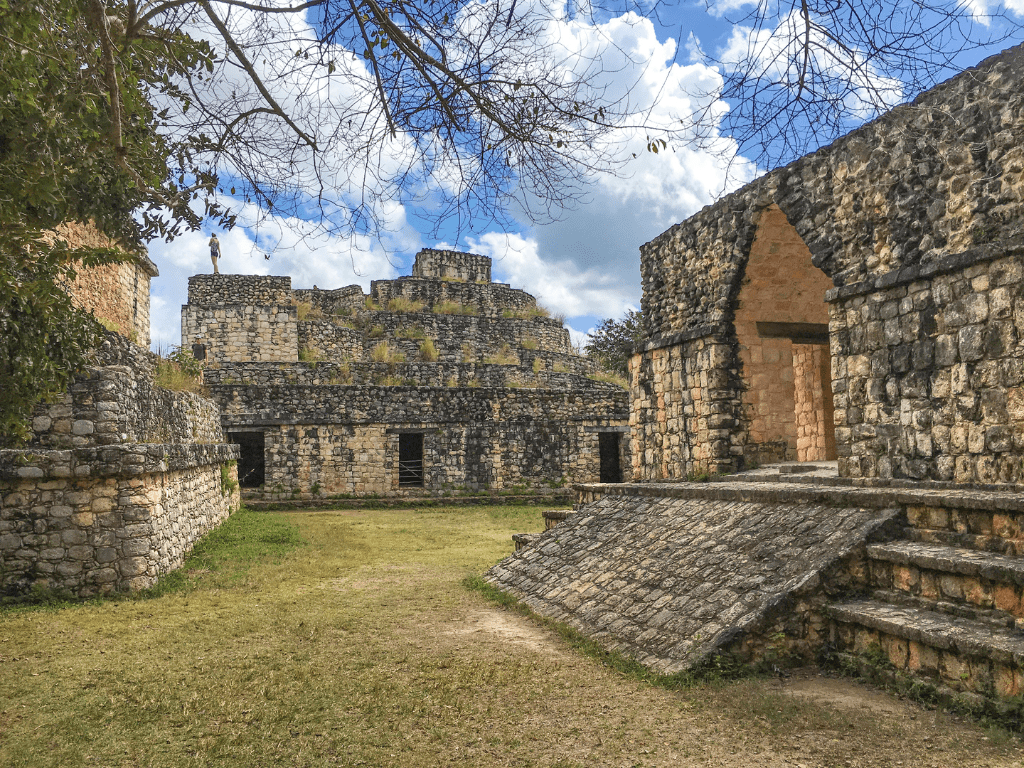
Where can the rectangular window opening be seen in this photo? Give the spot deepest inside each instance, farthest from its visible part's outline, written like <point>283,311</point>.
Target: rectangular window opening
<point>608,445</point>
<point>410,461</point>
<point>251,462</point>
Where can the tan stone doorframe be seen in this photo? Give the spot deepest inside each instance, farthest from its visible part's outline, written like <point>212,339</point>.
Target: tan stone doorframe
<point>782,329</point>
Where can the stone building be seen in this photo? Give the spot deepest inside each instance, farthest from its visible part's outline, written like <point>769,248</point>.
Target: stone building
<point>120,477</point>
<point>439,381</point>
<point>864,303</point>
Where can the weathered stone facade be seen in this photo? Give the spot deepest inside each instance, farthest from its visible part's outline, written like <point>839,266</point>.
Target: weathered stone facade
<point>907,236</point>
<point>119,477</point>
<point>327,390</point>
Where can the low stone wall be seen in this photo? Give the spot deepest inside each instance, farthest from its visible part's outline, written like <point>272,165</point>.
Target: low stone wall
<point>422,374</point>
<point>254,290</point>
<point>97,520</point>
<point>115,401</point>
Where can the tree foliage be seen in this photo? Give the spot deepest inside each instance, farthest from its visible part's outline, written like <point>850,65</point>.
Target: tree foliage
<point>612,343</point>
<point>63,158</point>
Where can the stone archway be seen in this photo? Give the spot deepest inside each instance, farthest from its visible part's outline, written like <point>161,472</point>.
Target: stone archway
<point>781,322</point>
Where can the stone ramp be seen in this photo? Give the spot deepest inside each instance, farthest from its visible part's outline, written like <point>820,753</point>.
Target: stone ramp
<point>670,581</point>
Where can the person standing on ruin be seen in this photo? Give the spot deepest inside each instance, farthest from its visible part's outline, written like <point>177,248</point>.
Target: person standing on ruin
<point>215,253</point>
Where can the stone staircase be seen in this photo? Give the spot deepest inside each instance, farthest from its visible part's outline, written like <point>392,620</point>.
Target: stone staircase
<point>944,604</point>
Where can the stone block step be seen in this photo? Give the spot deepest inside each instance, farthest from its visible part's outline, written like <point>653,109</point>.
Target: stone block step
<point>963,654</point>
<point>1001,521</point>
<point>935,572</point>
<point>964,540</point>
<point>989,616</point>
<point>937,557</point>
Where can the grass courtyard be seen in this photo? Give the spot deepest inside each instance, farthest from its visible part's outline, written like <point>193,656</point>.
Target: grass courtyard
<point>348,637</point>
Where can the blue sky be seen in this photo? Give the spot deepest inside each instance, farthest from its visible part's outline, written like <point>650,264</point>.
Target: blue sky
<point>584,265</point>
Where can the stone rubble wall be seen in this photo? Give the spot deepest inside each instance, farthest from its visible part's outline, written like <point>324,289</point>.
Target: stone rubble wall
<point>97,520</point>
<point>439,265</point>
<point>115,401</point>
<point>484,299</point>
<point>351,297</point>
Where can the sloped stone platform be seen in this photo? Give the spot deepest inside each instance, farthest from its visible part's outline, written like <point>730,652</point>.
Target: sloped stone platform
<point>669,580</point>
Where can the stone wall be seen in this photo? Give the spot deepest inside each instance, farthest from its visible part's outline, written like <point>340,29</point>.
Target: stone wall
<point>934,188</point>
<point>484,299</point>
<point>116,293</point>
<point>115,401</point>
<point>251,290</point>
<point>97,520</point>
<point>411,373</point>
<point>812,384</point>
<point>452,265</point>
<point>343,439</point>
<point>930,371</point>
<point>242,332</point>
<point>118,480</point>
<point>684,408</point>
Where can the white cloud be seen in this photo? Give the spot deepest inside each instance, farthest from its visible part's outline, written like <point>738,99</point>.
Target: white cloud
<point>778,55</point>
<point>584,265</point>
<point>982,10</point>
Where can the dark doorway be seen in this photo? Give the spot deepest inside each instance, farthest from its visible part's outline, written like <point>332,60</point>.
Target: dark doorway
<point>611,471</point>
<point>251,468</point>
<point>410,461</point>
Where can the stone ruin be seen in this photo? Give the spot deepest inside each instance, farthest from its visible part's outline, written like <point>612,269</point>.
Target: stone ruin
<point>120,477</point>
<point>856,315</point>
<point>437,383</point>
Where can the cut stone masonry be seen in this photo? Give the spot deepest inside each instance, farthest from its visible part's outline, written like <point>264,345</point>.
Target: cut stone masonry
<point>434,383</point>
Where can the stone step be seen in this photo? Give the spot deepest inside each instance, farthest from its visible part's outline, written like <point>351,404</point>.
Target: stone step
<point>936,557</point>
<point>962,654</point>
<point>949,574</point>
<point>989,616</point>
<point>984,521</point>
<point>964,540</point>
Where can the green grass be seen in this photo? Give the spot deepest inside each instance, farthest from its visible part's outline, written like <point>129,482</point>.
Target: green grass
<point>349,637</point>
